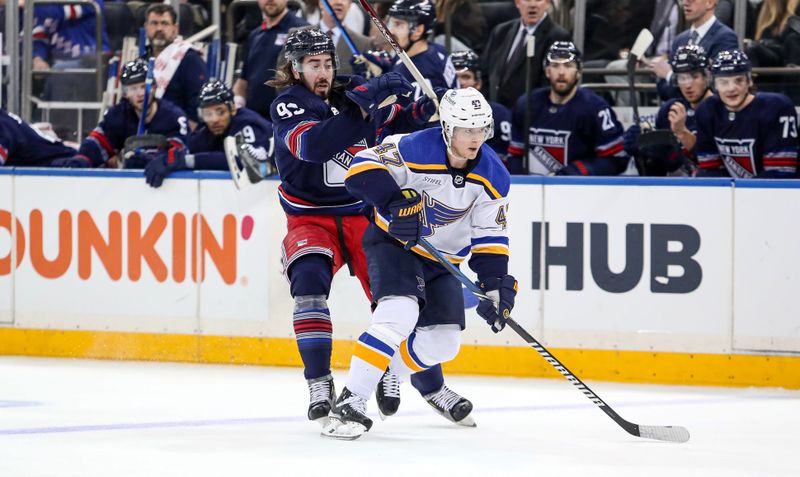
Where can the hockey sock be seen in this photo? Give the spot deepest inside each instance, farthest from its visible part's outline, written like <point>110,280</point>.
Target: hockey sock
<point>313,329</point>
<point>392,322</point>
<point>428,381</point>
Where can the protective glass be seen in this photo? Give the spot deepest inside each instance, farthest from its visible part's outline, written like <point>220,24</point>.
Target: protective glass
<point>211,114</point>
<point>687,78</point>
<point>314,67</point>
<point>724,82</point>
<point>468,134</point>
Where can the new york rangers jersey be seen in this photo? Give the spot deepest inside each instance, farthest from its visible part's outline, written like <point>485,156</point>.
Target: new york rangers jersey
<point>581,137</point>
<point>65,32</point>
<point>760,140</point>
<point>502,129</point>
<point>662,117</point>
<point>208,149</point>
<point>435,66</point>
<point>121,121</point>
<point>464,211</point>
<point>22,145</point>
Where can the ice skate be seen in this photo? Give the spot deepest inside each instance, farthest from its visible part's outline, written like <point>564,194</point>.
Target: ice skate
<point>322,396</point>
<point>452,406</point>
<point>388,395</point>
<point>348,418</point>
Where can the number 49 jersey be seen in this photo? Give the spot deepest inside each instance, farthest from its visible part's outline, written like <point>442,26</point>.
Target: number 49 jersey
<point>760,140</point>
<point>464,210</point>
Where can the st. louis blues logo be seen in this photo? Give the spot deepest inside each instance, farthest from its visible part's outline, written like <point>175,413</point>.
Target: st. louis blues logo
<point>436,214</point>
<point>550,147</point>
<point>737,155</point>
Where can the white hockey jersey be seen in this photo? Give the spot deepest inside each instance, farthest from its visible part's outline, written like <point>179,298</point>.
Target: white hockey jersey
<point>464,211</point>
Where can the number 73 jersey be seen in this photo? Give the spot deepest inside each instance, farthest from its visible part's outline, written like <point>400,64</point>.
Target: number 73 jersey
<point>464,209</point>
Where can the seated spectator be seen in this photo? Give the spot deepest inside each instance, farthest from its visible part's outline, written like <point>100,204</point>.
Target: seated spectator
<point>206,144</point>
<point>23,145</point>
<point>468,24</point>
<point>742,134</point>
<point>264,46</point>
<point>163,121</point>
<point>354,17</point>
<point>504,67</point>
<point>674,154</point>
<point>179,69</point>
<point>705,31</point>
<point>777,38</point>
<point>572,130</point>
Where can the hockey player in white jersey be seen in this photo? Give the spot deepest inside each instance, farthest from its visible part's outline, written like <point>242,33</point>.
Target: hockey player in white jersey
<point>446,185</point>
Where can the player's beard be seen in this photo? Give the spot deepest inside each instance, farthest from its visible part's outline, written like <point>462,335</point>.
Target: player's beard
<point>565,89</point>
<point>322,82</point>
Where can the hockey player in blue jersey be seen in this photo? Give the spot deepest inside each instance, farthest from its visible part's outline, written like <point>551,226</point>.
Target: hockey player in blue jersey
<point>23,145</point>
<point>468,70</point>
<point>446,185</point>
<point>320,122</point>
<point>411,21</point>
<point>674,154</point>
<point>163,121</point>
<point>742,134</point>
<point>572,131</point>
<point>221,119</point>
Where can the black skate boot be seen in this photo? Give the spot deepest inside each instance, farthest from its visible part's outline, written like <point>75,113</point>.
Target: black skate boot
<point>388,395</point>
<point>452,406</point>
<point>323,395</point>
<point>348,418</point>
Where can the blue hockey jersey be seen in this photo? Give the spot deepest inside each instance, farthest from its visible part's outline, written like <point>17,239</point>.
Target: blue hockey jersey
<point>502,129</point>
<point>65,32</point>
<point>581,137</point>
<point>465,210</point>
<point>758,141</point>
<point>208,149</point>
<point>121,122</point>
<point>435,66</point>
<point>22,145</point>
<point>315,141</point>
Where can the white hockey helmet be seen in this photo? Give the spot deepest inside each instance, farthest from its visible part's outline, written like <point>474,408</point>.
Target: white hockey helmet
<point>465,108</point>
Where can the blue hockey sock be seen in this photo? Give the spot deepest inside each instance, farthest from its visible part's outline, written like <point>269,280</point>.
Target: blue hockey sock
<point>313,329</point>
<point>428,381</point>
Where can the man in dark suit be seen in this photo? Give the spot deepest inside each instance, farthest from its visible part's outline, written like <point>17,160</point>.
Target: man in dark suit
<point>705,31</point>
<point>504,57</point>
<point>327,24</point>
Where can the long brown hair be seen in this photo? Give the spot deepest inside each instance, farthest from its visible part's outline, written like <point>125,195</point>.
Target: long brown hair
<point>775,15</point>
<point>284,77</point>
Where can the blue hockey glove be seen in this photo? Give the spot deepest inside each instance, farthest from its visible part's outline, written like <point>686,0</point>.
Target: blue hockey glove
<point>406,224</point>
<point>502,292</point>
<point>163,163</point>
<point>375,63</point>
<point>425,108</point>
<point>74,161</point>
<point>371,95</point>
<point>359,66</point>
<point>630,137</point>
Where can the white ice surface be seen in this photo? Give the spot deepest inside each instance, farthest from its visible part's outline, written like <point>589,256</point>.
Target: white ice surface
<point>112,419</point>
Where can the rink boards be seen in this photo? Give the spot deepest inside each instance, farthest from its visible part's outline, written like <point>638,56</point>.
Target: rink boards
<point>628,279</point>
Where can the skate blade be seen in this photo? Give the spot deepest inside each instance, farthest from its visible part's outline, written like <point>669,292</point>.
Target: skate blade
<point>343,431</point>
<point>467,422</point>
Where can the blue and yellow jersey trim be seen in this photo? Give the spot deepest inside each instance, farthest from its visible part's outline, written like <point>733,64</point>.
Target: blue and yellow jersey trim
<point>358,168</point>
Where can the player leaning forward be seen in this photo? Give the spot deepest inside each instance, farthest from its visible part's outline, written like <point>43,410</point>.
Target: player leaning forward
<point>446,185</point>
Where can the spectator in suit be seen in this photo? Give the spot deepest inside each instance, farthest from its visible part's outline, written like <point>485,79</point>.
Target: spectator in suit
<point>504,66</point>
<point>706,31</point>
<point>328,26</point>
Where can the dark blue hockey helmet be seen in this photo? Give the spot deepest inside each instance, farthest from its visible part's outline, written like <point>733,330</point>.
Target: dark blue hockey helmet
<point>562,52</point>
<point>731,62</point>
<point>415,12</point>
<point>215,92</point>
<point>466,60</point>
<point>134,72</point>
<point>308,41</point>
<point>689,58</point>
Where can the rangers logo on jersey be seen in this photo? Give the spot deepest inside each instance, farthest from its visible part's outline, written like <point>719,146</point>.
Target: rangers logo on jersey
<point>737,155</point>
<point>550,147</point>
<point>337,167</point>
